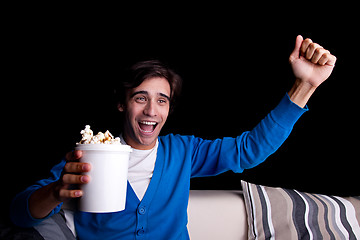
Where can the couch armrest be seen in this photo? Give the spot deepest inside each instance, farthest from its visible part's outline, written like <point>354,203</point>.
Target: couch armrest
<point>217,214</point>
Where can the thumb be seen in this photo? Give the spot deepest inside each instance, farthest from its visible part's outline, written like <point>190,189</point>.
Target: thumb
<point>296,52</point>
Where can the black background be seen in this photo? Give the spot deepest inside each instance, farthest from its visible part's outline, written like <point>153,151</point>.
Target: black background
<point>60,68</point>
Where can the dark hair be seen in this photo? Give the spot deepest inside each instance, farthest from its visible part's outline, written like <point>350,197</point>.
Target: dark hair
<point>141,71</point>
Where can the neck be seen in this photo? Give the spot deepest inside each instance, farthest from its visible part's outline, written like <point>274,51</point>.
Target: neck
<point>134,144</point>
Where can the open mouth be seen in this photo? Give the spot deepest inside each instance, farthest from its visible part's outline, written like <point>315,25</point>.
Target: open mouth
<point>147,127</point>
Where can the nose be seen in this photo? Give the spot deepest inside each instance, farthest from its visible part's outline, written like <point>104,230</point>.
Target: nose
<point>150,109</point>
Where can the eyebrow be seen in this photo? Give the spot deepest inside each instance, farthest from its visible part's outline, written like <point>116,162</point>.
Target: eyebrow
<point>146,93</point>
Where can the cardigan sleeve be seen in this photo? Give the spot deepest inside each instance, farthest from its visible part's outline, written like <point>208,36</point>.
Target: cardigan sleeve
<point>19,209</point>
<point>250,148</point>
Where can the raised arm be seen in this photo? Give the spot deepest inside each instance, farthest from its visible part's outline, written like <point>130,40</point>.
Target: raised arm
<point>312,65</point>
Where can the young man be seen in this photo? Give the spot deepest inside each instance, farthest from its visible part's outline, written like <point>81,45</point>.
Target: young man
<point>161,166</point>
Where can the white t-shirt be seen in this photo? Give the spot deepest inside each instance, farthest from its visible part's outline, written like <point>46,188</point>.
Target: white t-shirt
<point>141,168</point>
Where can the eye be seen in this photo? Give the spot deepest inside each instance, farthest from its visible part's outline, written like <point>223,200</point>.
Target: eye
<point>162,101</point>
<point>140,99</point>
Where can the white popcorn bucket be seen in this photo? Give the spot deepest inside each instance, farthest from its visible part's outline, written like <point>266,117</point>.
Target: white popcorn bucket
<point>106,191</point>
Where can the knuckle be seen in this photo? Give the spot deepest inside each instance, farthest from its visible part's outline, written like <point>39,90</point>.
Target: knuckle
<point>69,156</point>
<point>79,167</point>
<point>313,46</point>
<point>327,55</point>
<point>308,40</point>
<point>319,50</point>
<point>67,167</point>
<point>71,179</point>
<point>77,154</point>
<point>64,193</point>
<point>74,167</point>
<point>323,59</point>
<point>65,178</point>
<point>73,155</point>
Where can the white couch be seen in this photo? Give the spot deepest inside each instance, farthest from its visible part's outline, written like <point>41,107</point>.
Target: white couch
<point>212,215</point>
<point>221,214</point>
<point>217,214</point>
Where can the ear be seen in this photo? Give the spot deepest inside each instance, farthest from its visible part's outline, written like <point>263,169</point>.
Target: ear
<point>121,107</point>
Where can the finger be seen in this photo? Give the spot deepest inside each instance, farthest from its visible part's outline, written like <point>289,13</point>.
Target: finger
<point>304,46</point>
<point>76,167</point>
<point>64,193</point>
<point>331,60</point>
<point>73,155</point>
<point>318,53</point>
<point>296,52</point>
<point>311,50</point>
<point>75,179</point>
<point>327,59</point>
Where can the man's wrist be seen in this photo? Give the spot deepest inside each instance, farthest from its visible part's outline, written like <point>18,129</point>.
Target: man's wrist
<point>43,201</point>
<point>301,92</point>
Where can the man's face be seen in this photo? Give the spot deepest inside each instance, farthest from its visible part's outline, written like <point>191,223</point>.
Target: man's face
<point>146,110</point>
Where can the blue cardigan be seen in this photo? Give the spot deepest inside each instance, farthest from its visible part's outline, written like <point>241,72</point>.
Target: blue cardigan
<point>162,213</point>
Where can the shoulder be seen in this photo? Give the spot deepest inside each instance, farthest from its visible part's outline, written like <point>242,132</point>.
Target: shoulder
<point>177,140</point>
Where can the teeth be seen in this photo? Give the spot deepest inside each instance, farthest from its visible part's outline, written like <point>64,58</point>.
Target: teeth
<point>148,123</point>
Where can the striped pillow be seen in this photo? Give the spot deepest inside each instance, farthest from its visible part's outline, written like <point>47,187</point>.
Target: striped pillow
<point>289,214</point>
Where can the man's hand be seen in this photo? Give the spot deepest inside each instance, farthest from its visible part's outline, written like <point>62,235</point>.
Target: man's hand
<point>72,177</point>
<point>310,62</point>
<point>311,65</point>
<point>45,199</point>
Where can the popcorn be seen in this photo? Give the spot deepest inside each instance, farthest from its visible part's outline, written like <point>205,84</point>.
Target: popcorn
<point>100,138</point>
<point>87,135</point>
